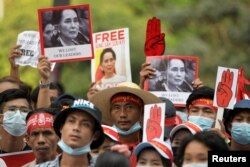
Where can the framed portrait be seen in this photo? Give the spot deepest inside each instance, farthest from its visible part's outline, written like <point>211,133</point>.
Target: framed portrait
<point>111,64</point>
<point>173,77</point>
<point>66,33</point>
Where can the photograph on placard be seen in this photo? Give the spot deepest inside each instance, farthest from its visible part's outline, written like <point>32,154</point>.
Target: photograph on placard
<point>173,77</point>
<point>111,65</point>
<point>65,33</point>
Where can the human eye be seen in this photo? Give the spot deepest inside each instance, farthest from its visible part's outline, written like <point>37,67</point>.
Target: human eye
<point>116,108</point>
<point>67,20</point>
<point>129,106</point>
<point>238,119</point>
<point>194,110</point>
<point>141,162</point>
<point>34,134</point>
<point>86,124</point>
<point>12,108</point>
<point>208,110</point>
<point>75,20</point>
<point>26,110</point>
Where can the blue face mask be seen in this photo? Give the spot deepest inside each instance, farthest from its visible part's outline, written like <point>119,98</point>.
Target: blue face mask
<point>134,128</point>
<point>14,122</point>
<point>195,165</point>
<point>241,132</point>
<point>77,151</point>
<point>204,122</point>
<point>183,115</point>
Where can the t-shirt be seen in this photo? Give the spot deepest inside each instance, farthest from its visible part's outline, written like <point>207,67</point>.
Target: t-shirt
<point>110,82</point>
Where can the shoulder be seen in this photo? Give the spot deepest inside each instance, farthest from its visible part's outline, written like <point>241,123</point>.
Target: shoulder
<point>53,163</point>
<point>30,164</point>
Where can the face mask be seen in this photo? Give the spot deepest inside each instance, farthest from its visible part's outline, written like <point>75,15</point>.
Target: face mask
<point>183,115</point>
<point>195,165</point>
<point>241,132</point>
<point>133,129</point>
<point>14,122</point>
<point>77,151</point>
<point>204,122</point>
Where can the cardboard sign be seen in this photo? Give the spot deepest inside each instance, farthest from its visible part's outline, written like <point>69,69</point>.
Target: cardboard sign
<point>112,58</point>
<point>225,89</point>
<point>153,121</point>
<point>173,77</point>
<point>30,48</point>
<point>66,33</point>
<point>17,159</point>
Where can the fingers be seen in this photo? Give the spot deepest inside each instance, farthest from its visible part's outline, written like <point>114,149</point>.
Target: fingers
<point>121,148</point>
<point>15,52</point>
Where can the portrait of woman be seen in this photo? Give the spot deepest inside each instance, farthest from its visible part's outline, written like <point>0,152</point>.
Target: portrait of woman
<point>106,74</point>
<point>173,75</point>
<point>68,27</point>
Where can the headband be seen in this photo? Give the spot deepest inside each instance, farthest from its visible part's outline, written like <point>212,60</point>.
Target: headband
<point>127,98</point>
<point>39,120</point>
<point>204,102</point>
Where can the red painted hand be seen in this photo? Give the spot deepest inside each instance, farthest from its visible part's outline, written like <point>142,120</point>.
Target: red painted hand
<point>224,90</point>
<point>153,123</point>
<point>155,43</point>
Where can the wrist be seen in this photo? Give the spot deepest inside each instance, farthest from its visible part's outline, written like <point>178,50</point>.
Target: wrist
<point>44,84</point>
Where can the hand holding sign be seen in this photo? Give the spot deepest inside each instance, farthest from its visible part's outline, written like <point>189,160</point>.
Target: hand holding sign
<point>153,123</point>
<point>224,90</point>
<point>155,43</point>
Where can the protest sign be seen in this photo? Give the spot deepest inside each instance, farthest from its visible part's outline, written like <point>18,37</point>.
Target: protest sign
<point>30,48</point>
<point>154,117</point>
<point>66,33</point>
<point>173,77</point>
<point>112,58</point>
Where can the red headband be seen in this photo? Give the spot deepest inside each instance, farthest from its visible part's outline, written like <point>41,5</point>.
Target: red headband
<point>126,98</point>
<point>204,102</point>
<point>39,120</point>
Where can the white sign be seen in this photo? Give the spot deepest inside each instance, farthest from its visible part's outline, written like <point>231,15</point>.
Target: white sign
<point>153,121</point>
<point>30,48</point>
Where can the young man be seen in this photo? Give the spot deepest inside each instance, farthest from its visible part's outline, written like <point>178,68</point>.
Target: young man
<point>239,126</point>
<point>41,136</point>
<point>79,128</point>
<point>122,107</point>
<point>14,107</point>
<point>200,107</point>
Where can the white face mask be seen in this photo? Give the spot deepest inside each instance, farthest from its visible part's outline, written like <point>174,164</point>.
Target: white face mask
<point>14,122</point>
<point>195,165</point>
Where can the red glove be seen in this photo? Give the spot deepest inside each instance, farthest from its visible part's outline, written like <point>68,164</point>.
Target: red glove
<point>155,43</point>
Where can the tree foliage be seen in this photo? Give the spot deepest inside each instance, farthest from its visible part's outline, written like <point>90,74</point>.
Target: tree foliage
<point>216,31</point>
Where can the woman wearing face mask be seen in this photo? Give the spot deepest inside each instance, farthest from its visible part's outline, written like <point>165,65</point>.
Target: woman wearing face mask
<point>193,150</point>
<point>14,107</point>
<point>239,126</point>
<point>67,23</point>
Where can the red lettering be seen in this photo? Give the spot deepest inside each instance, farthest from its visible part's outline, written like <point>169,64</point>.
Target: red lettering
<point>97,37</point>
<point>113,36</point>
<point>105,36</point>
<point>121,34</point>
<point>110,36</point>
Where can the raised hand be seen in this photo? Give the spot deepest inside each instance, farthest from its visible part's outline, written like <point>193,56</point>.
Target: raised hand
<point>155,43</point>
<point>44,69</point>
<point>224,90</point>
<point>153,127</point>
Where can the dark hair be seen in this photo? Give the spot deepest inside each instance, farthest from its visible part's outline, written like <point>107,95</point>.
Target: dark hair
<point>12,94</point>
<point>57,15</point>
<point>165,162</point>
<point>53,85</point>
<point>210,139</point>
<point>203,92</point>
<point>112,159</point>
<point>106,50</point>
<point>23,86</point>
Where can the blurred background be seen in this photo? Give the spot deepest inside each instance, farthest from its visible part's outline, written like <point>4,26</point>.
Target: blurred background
<point>216,31</point>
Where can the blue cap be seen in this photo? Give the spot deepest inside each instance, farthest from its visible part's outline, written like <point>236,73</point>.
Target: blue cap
<point>242,104</point>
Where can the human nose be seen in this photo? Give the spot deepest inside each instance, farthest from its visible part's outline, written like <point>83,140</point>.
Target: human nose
<point>76,126</point>
<point>41,139</point>
<point>123,113</point>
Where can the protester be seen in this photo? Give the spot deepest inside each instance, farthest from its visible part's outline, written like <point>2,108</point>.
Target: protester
<point>122,107</point>
<point>14,107</point>
<point>41,136</point>
<point>239,126</point>
<point>111,139</point>
<point>67,26</point>
<point>200,107</point>
<point>180,132</point>
<point>194,149</point>
<point>63,101</point>
<point>79,129</point>
<point>112,159</point>
<point>154,153</point>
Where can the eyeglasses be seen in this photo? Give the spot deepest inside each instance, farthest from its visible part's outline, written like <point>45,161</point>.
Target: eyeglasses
<point>15,108</point>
